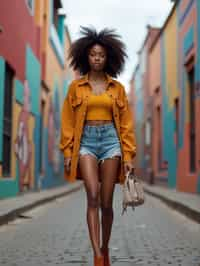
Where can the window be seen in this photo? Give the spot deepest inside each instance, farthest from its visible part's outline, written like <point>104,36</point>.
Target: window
<point>56,6</point>
<point>30,4</point>
<point>57,30</point>
<point>192,121</point>
<point>148,133</point>
<point>7,121</point>
<point>55,17</point>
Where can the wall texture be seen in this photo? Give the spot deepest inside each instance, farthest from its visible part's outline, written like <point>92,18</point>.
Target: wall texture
<point>35,50</point>
<point>172,57</point>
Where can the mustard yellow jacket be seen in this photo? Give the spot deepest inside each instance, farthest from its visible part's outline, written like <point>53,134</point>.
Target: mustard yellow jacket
<point>72,120</point>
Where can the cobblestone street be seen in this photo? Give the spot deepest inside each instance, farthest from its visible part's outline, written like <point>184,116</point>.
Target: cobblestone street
<point>56,234</point>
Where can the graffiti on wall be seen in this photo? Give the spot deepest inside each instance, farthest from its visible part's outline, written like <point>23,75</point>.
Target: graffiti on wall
<point>23,145</point>
<point>53,133</point>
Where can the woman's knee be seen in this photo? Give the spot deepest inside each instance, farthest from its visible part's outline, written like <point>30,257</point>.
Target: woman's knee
<point>107,209</point>
<point>93,200</point>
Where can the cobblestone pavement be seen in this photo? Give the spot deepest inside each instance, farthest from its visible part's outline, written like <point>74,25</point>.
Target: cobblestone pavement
<point>56,234</point>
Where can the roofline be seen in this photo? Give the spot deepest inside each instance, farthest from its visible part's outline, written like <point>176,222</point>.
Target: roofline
<point>161,29</point>
<point>165,23</point>
<point>148,26</point>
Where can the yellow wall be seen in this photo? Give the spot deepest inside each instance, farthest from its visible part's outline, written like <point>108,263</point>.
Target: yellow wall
<point>53,68</point>
<point>171,53</point>
<point>38,12</point>
<point>16,112</point>
<point>17,109</point>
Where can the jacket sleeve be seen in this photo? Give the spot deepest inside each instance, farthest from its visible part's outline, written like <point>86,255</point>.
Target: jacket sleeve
<point>127,129</point>
<point>67,124</point>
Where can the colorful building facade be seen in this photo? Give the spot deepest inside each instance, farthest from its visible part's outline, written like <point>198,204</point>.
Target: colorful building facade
<point>174,63</point>
<point>34,77</point>
<point>141,103</point>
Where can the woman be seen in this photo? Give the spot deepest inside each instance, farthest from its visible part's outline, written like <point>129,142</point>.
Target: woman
<point>97,135</point>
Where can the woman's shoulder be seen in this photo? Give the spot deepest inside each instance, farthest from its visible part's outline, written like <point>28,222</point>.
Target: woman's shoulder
<point>73,85</point>
<point>118,85</point>
<point>75,82</point>
<point>78,81</point>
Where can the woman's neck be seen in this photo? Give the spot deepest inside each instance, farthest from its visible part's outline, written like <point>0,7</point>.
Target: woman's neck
<point>96,76</point>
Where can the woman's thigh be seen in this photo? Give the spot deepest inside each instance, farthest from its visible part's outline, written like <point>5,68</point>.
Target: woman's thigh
<point>89,171</point>
<point>108,173</point>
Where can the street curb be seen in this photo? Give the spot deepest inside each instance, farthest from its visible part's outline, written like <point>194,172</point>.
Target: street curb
<point>14,214</point>
<point>187,211</point>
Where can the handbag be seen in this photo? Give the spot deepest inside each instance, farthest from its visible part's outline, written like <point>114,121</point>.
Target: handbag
<point>133,192</point>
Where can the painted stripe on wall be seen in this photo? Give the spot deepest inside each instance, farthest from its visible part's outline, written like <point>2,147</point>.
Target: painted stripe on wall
<point>19,91</point>
<point>188,40</point>
<point>187,10</point>
<point>33,75</point>
<point>2,81</point>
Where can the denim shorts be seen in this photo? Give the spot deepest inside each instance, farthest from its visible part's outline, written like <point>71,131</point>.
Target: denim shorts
<point>101,141</point>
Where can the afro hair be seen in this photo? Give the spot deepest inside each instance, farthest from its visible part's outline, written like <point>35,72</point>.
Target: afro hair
<point>115,50</point>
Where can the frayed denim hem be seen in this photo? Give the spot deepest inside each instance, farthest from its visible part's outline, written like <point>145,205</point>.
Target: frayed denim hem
<point>100,161</point>
<point>114,154</point>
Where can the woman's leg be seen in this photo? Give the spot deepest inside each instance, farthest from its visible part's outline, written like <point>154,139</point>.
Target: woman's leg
<point>108,174</point>
<point>89,170</point>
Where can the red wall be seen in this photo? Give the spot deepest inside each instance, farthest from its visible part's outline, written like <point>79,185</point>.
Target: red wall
<point>16,29</point>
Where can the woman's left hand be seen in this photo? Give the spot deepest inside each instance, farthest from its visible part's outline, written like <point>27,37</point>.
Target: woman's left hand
<point>128,166</point>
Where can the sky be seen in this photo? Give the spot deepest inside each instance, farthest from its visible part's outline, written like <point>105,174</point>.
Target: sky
<point>128,17</point>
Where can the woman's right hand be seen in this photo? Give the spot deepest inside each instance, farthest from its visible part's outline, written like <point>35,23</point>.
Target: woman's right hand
<point>67,164</point>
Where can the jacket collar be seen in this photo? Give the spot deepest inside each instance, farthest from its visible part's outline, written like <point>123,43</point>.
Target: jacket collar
<point>85,80</point>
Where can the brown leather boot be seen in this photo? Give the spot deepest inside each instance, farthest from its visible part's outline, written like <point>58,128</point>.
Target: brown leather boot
<point>105,253</point>
<point>98,261</point>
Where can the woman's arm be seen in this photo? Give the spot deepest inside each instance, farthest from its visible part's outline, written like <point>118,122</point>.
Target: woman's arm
<point>67,124</point>
<point>127,129</point>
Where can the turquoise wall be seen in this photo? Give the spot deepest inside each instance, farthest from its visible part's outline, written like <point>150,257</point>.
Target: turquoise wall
<point>33,75</point>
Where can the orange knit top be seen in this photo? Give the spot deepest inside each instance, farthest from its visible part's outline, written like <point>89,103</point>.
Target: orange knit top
<point>99,107</point>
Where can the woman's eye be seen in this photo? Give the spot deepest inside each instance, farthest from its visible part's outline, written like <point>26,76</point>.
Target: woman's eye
<point>99,55</point>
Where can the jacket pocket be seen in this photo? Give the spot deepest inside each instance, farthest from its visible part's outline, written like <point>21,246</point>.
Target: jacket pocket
<point>119,103</point>
<point>76,102</point>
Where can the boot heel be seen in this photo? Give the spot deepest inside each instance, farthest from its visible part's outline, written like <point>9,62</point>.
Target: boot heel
<point>98,261</point>
<point>105,253</point>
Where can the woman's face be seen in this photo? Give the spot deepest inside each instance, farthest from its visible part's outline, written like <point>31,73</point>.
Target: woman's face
<point>97,57</point>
